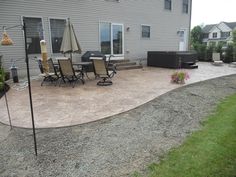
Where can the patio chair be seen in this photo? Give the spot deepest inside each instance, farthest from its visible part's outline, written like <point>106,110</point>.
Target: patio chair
<point>101,71</point>
<point>111,66</point>
<point>216,59</point>
<point>52,75</point>
<point>68,73</point>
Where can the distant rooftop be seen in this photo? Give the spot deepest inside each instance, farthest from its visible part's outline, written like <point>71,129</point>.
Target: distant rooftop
<point>232,25</point>
<point>207,28</point>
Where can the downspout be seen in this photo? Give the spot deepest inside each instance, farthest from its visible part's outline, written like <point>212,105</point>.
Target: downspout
<point>190,20</point>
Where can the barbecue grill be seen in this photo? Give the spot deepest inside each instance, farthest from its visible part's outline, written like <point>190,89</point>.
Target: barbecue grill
<point>86,58</point>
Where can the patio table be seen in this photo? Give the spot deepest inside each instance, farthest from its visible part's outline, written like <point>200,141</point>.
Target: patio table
<point>84,66</point>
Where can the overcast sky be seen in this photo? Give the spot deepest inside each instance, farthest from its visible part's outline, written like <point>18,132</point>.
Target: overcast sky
<point>213,11</point>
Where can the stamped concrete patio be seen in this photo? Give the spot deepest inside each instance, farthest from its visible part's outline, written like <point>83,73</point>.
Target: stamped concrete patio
<point>66,106</point>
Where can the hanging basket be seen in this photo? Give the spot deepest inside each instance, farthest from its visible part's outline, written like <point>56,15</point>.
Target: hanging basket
<point>6,40</point>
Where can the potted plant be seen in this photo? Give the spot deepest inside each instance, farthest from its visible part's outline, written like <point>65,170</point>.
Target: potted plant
<point>179,77</point>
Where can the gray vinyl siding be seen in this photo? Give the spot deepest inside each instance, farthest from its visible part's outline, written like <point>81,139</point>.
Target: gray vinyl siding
<point>86,15</point>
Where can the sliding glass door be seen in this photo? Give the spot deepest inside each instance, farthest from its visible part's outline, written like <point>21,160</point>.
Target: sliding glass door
<point>117,33</point>
<point>112,39</point>
<point>105,38</point>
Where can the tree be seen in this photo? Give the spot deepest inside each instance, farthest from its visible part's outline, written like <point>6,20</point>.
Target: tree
<point>234,37</point>
<point>196,35</point>
<point>234,44</point>
<point>196,43</point>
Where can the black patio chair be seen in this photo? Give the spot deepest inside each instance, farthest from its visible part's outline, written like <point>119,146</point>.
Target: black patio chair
<point>111,66</point>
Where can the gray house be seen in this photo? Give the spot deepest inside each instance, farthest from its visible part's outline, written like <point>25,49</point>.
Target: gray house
<point>125,28</point>
<point>215,33</point>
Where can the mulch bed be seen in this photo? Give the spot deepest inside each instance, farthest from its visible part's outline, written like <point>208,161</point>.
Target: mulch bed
<point>7,87</point>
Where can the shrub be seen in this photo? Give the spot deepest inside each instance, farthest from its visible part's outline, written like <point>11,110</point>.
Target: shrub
<point>7,76</point>
<point>2,77</point>
<point>219,46</point>
<point>229,53</point>
<point>201,51</point>
<point>210,49</point>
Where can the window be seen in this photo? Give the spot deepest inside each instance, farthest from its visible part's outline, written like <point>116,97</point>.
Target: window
<point>117,38</point>
<point>34,33</point>
<point>168,4</point>
<point>57,27</point>
<point>111,38</point>
<point>205,35</point>
<point>214,35</point>
<point>146,31</point>
<point>185,6</point>
<point>105,38</point>
<point>225,34</point>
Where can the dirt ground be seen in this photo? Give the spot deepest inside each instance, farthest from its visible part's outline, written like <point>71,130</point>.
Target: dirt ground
<point>118,145</point>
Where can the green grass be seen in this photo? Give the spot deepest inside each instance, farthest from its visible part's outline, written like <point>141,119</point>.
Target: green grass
<point>210,152</point>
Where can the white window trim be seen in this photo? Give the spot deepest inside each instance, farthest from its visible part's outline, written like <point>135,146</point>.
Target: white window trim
<point>116,56</point>
<point>32,16</point>
<point>49,30</point>
<point>141,27</point>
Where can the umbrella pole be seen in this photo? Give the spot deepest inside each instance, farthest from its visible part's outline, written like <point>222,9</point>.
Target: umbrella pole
<point>70,40</point>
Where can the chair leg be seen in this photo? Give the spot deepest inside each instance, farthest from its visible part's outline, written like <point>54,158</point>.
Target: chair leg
<point>61,81</point>
<point>44,79</point>
<point>56,81</point>
<point>81,77</point>
<point>104,82</point>
<point>82,80</point>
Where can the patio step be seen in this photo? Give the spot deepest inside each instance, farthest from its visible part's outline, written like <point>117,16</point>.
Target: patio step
<point>125,64</point>
<point>189,65</point>
<point>120,61</point>
<point>129,67</point>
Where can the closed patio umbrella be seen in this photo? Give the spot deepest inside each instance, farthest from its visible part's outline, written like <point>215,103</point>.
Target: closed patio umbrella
<point>44,56</point>
<point>70,42</point>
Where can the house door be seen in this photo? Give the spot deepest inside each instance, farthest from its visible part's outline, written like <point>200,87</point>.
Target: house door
<point>182,40</point>
<point>112,40</point>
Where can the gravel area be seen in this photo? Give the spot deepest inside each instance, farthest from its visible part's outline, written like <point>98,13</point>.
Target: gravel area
<point>118,145</point>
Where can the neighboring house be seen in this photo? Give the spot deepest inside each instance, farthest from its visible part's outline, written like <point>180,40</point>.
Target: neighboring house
<point>215,33</point>
<point>126,29</point>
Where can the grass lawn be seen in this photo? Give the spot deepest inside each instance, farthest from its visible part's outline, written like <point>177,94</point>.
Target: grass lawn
<point>210,152</point>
